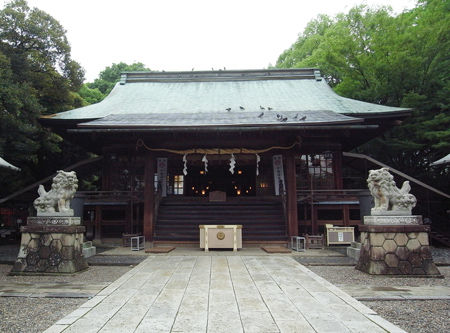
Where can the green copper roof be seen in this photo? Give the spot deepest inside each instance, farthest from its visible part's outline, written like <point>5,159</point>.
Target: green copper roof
<point>301,90</point>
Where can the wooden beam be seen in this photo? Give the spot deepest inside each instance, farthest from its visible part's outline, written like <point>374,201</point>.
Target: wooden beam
<point>291,183</point>
<point>149,196</point>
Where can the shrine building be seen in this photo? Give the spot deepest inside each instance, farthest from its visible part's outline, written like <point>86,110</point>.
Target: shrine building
<point>259,148</point>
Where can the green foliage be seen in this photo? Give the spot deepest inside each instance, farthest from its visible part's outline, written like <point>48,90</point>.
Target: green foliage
<point>37,77</point>
<point>375,56</point>
<point>90,96</point>
<point>111,75</point>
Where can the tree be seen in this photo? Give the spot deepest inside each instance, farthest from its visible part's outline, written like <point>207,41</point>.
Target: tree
<point>372,55</point>
<point>37,77</point>
<point>90,95</point>
<point>111,75</point>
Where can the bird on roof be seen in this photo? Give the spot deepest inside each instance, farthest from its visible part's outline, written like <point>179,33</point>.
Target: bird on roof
<point>279,116</point>
<point>262,107</point>
<point>296,116</point>
<point>303,118</point>
<point>284,119</point>
<point>241,107</point>
<point>261,115</point>
<point>269,108</point>
<point>228,109</point>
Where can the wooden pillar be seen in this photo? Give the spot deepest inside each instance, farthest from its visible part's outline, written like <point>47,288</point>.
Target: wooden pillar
<point>149,196</point>
<point>314,226</point>
<point>97,223</point>
<point>337,166</point>
<point>291,183</point>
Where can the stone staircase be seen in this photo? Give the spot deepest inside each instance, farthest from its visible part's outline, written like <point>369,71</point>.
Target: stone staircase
<point>261,220</point>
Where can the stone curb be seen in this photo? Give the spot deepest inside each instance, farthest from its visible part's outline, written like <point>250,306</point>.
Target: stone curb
<point>401,298</point>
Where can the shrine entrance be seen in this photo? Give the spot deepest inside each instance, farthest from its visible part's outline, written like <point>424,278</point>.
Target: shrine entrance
<point>199,183</point>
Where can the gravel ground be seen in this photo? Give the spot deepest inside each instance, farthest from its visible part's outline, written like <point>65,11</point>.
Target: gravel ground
<point>22,314</point>
<point>412,316</point>
<point>415,316</point>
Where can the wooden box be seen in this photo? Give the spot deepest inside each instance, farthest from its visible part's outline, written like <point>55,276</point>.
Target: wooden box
<point>221,237</point>
<point>340,235</point>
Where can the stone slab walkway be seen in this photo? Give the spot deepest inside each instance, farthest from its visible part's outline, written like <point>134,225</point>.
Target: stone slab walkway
<point>222,294</point>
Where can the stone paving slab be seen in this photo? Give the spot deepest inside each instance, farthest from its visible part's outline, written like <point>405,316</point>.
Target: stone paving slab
<point>53,290</point>
<point>222,294</point>
<point>398,293</point>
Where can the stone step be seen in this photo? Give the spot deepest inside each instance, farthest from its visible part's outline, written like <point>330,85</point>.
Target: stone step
<point>356,245</point>
<point>353,252</point>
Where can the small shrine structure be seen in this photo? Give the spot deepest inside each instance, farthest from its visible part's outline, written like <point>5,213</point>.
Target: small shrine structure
<point>268,143</point>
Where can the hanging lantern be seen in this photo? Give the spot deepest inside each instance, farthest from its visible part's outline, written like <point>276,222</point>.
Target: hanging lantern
<point>232,164</point>
<point>258,159</point>
<point>185,164</point>
<point>205,160</point>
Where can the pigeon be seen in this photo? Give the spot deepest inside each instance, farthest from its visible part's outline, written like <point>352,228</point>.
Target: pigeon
<point>241,107</point>
<point>279,116</point>
<point>269,108</point>
<point>261,114</point>
<point>284,119</point>
<point>262,107</point>
<point>296,116</point>
<point>228,109</point>
<point>303,118</point>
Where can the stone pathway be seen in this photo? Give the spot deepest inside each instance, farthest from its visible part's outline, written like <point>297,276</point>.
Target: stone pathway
<point>222,294</point>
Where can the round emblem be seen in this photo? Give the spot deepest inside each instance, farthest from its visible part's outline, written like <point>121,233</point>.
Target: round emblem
<point>220,235</point>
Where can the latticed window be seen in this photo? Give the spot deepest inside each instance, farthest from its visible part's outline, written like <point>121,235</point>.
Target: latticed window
<point>315,171</point>
<point>178,184</point>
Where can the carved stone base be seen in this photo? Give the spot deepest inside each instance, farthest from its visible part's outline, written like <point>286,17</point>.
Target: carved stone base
<point>396,250</point>
<point>54,220</point>
<point>393,220</point>
<point>50,249</point>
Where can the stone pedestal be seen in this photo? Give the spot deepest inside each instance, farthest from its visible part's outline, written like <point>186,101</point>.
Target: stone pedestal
<point>51,246</point>
<point>396,250</point>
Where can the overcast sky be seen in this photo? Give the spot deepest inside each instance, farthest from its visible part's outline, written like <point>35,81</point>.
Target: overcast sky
<point>185,34</point>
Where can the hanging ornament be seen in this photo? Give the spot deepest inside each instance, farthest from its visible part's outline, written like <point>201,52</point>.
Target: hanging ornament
<point>185,164</point>
<point>205,160</point>
<point>258,159</point>
<point>232,164</point>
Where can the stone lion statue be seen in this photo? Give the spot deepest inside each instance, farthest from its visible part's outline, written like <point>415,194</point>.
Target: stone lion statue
<point>388,198</point>
<point>57,200</point>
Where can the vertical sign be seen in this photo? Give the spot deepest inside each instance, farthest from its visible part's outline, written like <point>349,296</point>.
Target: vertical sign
<point>161,171</point>
<point>278,174</point>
